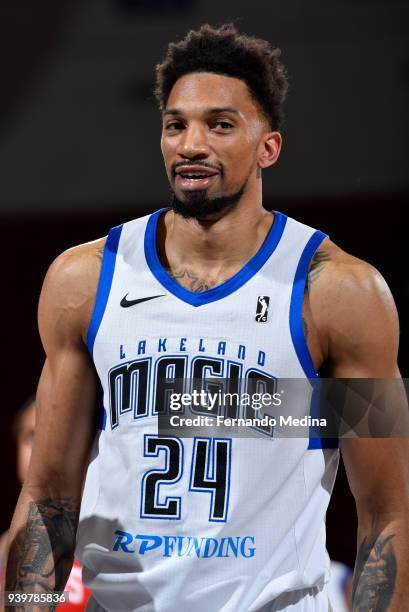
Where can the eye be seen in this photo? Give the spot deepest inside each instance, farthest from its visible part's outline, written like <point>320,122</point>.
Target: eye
<point>222,124</point>
<point>173,126</point>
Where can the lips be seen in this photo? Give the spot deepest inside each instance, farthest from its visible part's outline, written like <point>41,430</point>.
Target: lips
<point>194,177</point>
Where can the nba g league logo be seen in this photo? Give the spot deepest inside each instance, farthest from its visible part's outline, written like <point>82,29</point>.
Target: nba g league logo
<point>263,302</point>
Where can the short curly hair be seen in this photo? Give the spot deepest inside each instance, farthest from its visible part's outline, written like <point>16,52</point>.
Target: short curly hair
<point>225,51</point>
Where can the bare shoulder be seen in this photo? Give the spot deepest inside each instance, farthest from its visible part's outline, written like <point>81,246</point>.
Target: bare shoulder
<point>331,259</point>
<point>337,275</point>
<point>351,303</point>
<point>69,290</point>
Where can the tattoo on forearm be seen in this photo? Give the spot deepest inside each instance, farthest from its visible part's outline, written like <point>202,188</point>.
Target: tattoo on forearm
<point>42,553</point>
<point>193,282</point>
<point>316,266</point>
<point>375,575</point>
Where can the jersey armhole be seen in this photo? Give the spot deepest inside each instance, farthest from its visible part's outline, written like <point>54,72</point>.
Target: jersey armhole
<point>104,284</point>
<point>297,298</point>
<point>300,341</point>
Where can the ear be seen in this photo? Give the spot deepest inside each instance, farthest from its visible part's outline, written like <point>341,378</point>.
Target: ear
<point>269,149</point>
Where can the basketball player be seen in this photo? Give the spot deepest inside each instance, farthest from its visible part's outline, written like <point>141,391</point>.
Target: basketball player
<point>340,587</point>
<point>206,523</point>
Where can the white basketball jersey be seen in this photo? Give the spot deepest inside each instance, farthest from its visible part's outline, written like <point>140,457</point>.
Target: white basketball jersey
<point>202,524</point>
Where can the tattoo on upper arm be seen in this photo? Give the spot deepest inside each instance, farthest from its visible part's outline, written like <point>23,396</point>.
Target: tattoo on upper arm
<point>375,575</point>
<point>305,327</point>
<point>42,553</point>
<point>316,266</point>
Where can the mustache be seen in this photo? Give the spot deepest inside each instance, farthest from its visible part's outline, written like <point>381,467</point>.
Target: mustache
<point>175,166</point>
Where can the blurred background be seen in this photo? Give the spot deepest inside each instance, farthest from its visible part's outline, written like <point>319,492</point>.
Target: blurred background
<point>79,150</point>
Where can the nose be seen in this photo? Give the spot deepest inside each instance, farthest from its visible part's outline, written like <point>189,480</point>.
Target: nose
<point>193,143</point>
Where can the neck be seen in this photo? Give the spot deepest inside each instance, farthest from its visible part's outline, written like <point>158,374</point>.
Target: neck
<point>215,249</point>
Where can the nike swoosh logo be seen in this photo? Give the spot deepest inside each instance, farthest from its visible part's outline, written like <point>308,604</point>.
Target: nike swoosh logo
<point>126,303</point>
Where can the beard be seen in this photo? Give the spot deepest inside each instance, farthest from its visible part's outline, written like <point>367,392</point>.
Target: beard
<point>198,206</point>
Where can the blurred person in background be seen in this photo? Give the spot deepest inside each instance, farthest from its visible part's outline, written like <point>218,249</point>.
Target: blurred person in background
<point>213,283</point>
<point>340,587</point>
<point>23,431</point>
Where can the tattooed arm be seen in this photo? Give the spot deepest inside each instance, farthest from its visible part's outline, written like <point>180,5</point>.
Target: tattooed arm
<point>375,573</point>
<point>42,534</point>
<point>355,319</point>
<point>41,556</point>
<point>378,475</point>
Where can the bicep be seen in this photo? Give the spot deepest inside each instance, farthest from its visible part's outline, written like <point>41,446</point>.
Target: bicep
<point>67,391</point>
<point>364,334</point>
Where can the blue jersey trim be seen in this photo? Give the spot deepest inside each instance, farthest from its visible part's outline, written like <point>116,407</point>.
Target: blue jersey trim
<point>298,337</point>
<point>223,290</point>
<point>104,284</point>
<point>319,443</point>
<point>315,442</point>
<point>297,297</point>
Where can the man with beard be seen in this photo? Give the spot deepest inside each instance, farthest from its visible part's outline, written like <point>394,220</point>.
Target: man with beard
<point>214,287</point>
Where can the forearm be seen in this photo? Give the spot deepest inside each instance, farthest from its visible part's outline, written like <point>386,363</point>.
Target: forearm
<point>382,566</point>
<point>41,541</point>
